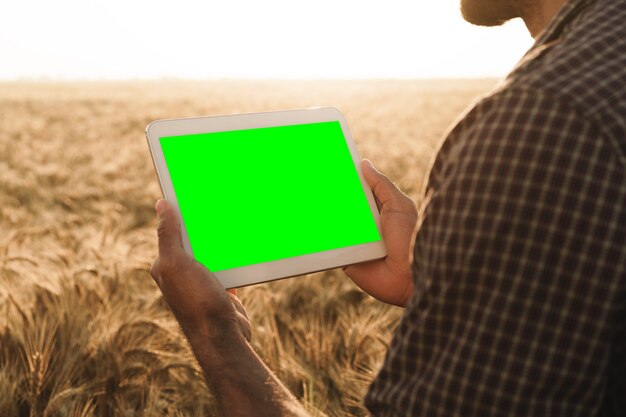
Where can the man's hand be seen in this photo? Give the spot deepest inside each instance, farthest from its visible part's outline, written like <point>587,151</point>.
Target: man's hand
<point>388,279</point>
<point>217,327</point>
<point>194,294</point>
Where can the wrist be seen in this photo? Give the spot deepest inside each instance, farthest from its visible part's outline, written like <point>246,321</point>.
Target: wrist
<point>403,287</point>
<point>213,337</point>
<point>408,292</point>
<point>209,329</point>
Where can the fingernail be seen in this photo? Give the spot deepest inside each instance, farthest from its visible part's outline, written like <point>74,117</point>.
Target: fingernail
<point>160,206</point>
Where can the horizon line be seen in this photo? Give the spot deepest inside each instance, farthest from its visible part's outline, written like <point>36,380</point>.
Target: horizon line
<point>195,79</point>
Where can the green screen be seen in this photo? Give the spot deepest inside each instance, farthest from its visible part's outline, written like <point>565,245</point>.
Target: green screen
<point>259,195</point>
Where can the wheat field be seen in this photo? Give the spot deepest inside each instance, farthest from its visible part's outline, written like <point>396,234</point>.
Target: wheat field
<point>83,328</point>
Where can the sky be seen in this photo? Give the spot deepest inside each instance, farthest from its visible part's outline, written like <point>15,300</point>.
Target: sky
<point>141,39</point>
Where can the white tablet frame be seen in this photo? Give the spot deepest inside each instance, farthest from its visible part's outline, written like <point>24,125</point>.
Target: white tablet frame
<point>268,271</point>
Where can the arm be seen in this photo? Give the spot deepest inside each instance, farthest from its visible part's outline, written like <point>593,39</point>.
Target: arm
<point>519,262</point>
<point>241,382</point>
<point>215,324</point>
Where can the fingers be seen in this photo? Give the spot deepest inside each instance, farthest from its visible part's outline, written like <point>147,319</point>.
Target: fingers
<point>385,191</point>
<point>168,231</point>
<point>242,316</point>
<point>244,327</point>
<point>238,305</point>
<point>154,271</point>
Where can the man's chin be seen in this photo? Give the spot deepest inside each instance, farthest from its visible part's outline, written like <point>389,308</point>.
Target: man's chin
<point>487,12</point>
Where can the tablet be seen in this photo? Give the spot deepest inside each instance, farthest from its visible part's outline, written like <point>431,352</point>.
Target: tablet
<point>270,195</point>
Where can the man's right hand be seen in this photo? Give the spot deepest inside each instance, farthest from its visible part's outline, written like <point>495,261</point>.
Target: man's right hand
<point>388,279</point>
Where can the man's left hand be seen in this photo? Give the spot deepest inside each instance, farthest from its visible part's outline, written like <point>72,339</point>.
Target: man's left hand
<point>195,296</point>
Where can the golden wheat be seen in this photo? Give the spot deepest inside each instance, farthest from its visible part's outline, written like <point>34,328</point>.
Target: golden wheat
<point>83,329</point>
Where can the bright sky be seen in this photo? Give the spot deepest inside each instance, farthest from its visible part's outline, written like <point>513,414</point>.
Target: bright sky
<point>119,39</point>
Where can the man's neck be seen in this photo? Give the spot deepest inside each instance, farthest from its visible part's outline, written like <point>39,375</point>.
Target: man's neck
<point>538,14</point>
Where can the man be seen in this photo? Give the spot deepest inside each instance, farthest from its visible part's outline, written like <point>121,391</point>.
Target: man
<point>516,296</point>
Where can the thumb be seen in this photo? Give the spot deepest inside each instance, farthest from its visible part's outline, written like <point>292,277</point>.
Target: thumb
<point>168,230</point>
<point>384,189</point>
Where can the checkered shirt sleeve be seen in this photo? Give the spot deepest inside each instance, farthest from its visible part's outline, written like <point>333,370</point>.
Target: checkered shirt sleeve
<point>519,271</point>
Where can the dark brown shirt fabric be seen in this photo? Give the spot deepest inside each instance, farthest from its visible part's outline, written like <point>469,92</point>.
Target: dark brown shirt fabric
<point>520,263</point>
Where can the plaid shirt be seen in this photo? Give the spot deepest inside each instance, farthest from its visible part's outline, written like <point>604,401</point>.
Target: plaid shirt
<point>520,263</point>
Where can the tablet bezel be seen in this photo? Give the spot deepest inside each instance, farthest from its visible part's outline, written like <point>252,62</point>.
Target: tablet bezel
<point>284,268</point>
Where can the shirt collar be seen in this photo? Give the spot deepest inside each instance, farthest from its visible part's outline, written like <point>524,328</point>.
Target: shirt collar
<point>570,10</point>
<point>551,34</point>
